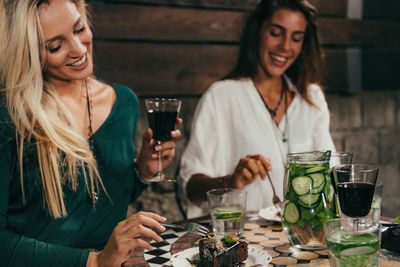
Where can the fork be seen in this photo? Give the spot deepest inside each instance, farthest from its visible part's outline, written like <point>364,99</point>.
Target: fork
<point>191,227</point>
<point>275,199</point>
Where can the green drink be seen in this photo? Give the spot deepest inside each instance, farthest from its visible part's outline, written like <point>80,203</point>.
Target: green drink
<point>353,248</point>
<point>309,199</point>
<point>228,220</point>
<point>227,208</point>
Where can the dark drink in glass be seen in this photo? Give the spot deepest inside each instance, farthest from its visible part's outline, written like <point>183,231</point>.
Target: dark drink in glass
<point>162,123</point>
<point>355,198</point>
<point>161,116</point>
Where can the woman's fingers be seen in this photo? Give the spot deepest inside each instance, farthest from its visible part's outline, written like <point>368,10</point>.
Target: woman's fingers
<point>149,219</point>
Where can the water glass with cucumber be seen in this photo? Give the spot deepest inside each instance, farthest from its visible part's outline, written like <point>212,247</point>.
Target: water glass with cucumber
<point>227,208</point>
<point>309,199</point>
<point>353,248</point>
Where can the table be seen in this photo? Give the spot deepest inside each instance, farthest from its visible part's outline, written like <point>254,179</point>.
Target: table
<point>260,233</point>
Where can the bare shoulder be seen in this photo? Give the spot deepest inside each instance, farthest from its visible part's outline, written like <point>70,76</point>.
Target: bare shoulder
<point>103,92</point>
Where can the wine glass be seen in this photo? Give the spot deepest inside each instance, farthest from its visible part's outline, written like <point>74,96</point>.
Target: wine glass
<point>338,158</point>
<point>161,115</point>
<point>355,185</point>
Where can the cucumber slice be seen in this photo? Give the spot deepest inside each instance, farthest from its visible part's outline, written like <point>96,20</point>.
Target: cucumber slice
<point>357,251</point>
<point>309,200</point>
<point>318,189</point>
<point>318,179</point>
<point>291,213</point>
<point>315,169</point>
<point>302,185</point>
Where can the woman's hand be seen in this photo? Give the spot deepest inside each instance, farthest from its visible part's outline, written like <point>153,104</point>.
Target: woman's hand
<point>133,233</point>
<point>147,162</point>
<point>248,169</point>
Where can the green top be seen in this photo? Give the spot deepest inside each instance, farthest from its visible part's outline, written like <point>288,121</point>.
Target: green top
<point>28,235</point>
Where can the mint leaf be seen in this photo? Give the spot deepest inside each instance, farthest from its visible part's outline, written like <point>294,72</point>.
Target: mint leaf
<point>398,219</point>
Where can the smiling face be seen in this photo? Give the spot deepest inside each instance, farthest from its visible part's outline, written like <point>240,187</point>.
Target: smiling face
<point>281,40</point>
<point>68,52</point>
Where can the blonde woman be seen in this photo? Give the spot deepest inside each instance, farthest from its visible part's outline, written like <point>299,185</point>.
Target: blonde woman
<point>67,145</point>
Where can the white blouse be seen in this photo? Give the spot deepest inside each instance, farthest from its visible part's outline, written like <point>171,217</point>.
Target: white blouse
<point>231,121</point>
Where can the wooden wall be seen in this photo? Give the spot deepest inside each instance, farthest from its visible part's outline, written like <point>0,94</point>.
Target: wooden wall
<point>179,47</point>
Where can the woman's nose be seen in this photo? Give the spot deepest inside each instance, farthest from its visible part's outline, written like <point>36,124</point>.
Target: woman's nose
<point>286,43</point>
<point>77,47</point>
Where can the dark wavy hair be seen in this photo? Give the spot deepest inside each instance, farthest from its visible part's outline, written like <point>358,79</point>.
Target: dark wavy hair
<point>308,66</point>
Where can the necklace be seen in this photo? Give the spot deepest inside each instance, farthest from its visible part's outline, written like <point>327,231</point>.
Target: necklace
<point>93,196</point>
<point>270,110</point>
<point>285,139</point>
<point>89,108</point>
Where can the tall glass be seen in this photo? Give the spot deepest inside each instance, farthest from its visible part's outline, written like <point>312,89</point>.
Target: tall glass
<point>353,248</point>
<point>355,185</point>
<point>308,199</point>
<point>227,208</point>
<point>161,115</point>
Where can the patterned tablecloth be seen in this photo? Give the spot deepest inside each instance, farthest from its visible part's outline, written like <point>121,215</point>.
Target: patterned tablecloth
<point>260,233</point>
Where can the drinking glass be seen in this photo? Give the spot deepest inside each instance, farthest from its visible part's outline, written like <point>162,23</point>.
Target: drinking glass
<point>161,115</point>
<point>227,208</point>
<point>375,213</point>
<point>353,248</point>
<point>308,199</point>
<point>338,158</point>
<point>355,185</point>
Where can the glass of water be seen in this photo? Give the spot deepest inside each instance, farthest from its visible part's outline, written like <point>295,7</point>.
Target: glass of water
<point>353,248</point>
<point>227,208</point>
<point>375,213</point>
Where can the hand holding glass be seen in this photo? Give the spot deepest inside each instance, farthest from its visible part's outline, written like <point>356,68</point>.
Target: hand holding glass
<point>162,114</point>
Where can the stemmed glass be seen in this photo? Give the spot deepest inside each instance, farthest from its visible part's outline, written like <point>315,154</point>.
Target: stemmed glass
<point>338,158</point>
<point>355,185</point>
<point>161,115</point>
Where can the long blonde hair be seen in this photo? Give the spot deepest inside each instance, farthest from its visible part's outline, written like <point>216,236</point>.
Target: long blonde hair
<point>36,109</point>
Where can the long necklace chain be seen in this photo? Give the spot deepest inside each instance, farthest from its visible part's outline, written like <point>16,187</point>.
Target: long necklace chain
<point>273,112</point>
<point>93,196</point>
<point>89,108</point>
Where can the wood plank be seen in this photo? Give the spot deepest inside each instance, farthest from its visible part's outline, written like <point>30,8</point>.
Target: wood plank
<point>166,23</point>
<point>170,24</point>
<point>155,69</point>
<point>332,8</point>
<point>359,33</point>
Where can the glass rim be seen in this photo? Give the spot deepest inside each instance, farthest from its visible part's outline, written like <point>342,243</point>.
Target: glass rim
<point>372,224</point>
<point>163,99</point>
<point>363,168</point>
<point>340,153</point>
<point>311,157</point>
<point>226,190</point>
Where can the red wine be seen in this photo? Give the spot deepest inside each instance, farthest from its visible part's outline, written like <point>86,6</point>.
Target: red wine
<point>355,198</point>
<point>162,123</point>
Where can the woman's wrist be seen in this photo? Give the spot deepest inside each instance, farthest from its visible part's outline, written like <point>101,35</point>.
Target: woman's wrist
<point>139,172</point>
<point>225,182</point>
<point>93,259</point>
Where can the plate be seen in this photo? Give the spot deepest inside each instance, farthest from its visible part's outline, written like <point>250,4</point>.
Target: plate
<point>255,256</point>
<point>269,214</point>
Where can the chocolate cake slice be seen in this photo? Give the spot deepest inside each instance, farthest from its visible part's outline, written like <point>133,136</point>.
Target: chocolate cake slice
<point>225,252</point>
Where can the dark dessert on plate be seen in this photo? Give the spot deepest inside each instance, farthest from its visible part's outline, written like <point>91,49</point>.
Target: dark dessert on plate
<point>228,251</point>
<point>391,239</point>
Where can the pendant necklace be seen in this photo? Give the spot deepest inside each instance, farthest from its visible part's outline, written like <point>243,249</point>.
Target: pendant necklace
<point>272,112</point>
<point>93,196</point>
